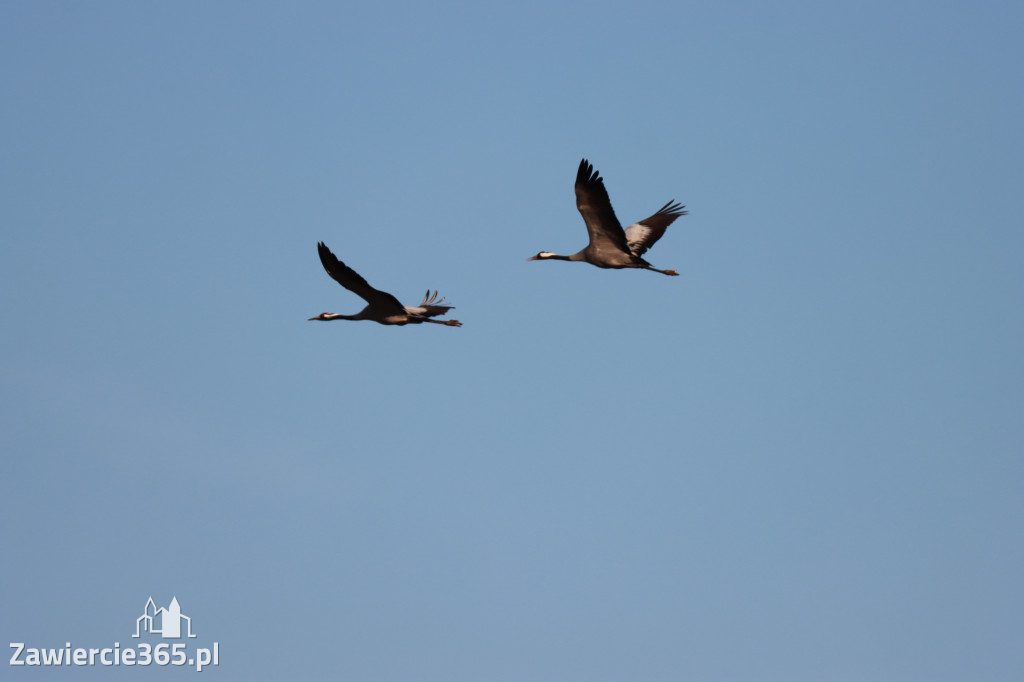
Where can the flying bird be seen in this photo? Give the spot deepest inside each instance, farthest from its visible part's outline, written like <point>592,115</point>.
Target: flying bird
<point>381,306</point>
<point>610,246</point>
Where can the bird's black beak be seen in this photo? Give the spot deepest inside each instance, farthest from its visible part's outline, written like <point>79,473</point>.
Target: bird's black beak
<point>533,258</point>
<point>313,318</point>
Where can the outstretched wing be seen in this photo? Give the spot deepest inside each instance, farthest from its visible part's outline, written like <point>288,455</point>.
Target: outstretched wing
<point>430,307</point>
<point>350,279</point>
<point>596,208</point>
<point>642,235</point>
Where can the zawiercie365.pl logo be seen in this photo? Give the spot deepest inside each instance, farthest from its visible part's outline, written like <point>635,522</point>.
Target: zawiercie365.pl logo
<point>168,622</point>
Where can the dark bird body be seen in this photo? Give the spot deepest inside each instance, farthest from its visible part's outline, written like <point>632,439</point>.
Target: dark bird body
<point>381,307</point>
<point>610,246</point>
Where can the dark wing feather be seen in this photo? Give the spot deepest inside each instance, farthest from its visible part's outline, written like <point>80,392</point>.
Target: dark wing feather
<point>351,280</point>
<point>596,208</point>
<point>642,235</point>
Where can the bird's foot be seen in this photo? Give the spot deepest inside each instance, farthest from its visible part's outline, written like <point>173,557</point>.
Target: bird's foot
<point>453,323</point>
<point>671,273</point>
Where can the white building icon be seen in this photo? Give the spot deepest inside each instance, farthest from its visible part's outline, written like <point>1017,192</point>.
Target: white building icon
<point>170,620</point>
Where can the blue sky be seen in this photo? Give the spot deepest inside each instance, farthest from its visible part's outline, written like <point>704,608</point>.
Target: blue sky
<point>799,460</point>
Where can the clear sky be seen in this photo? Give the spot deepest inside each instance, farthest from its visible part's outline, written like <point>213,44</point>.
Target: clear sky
<point>799,460</point>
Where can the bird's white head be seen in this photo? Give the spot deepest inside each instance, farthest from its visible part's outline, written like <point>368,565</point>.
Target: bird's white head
<point>542,255</point>
<point>324,317</point>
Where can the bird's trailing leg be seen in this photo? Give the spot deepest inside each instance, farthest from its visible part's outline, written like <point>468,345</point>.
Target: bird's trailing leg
<point>450,323</point>
<point>671,273</point>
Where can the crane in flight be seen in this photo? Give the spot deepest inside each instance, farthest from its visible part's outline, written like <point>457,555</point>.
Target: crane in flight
<point>610,246</point>
<point>381,306</point>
